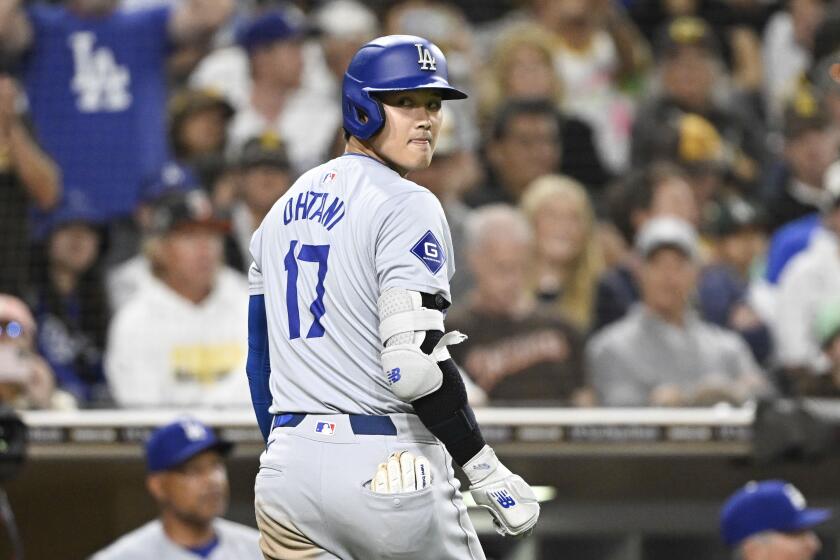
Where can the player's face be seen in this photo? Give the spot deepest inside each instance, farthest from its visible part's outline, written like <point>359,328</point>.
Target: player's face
<point>197,491</point>
<point>412,124</point>
<point>788,546</point>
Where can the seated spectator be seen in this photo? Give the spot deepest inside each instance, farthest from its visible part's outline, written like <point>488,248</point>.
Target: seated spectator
<point>515,352</point>
<point>264,177</point>
<point>661,353</point>
<point>125,279</point>
<point>181,340</point>
<point>796,186</point>
<point>810,280</point>
<point>96,83</point>
<point>656,190</point>
<point>725,289</point>
<point>198,122</point>
<point>27,177</point>
<point>522,69</point>
<point>529,139</point>
<point>692,81</point>
<point>188,480</point>
<point>26,381</point>
<point>454,170</point>
<point>769,520</point>
<point>69,303</point>
<point>598,52</point>
<point>568,258</point>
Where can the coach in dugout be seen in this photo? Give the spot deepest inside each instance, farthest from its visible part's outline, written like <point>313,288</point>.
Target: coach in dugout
<point>188,480</point>
<point>769,520</point>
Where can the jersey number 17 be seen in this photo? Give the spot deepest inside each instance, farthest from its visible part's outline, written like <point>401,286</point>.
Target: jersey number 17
<point>308,253</point>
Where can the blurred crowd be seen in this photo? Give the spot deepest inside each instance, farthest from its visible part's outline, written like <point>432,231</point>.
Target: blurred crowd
<point>644,195</point>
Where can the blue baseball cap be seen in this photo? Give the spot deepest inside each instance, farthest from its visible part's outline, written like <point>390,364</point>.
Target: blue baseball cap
<point>769,505</point>
<point>272,26</point>
<point>172,178</point>
<point>180,441</point>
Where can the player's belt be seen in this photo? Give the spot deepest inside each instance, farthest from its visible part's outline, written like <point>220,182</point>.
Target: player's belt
<point>361,424</point>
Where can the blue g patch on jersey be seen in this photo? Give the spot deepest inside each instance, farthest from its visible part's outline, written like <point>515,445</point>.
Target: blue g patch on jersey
<point>430,251</point>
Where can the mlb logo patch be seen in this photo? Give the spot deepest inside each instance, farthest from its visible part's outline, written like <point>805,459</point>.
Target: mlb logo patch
<point>430,252</point>
<point>329,177</point>
<point>325,428</point>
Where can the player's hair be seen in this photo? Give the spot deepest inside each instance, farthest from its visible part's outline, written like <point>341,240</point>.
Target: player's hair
<point>514,109</point>
<point>577,298</point>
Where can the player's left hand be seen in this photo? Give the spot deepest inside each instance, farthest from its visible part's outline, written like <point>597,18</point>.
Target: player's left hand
<point>505,495</point>
<point>401,472</point>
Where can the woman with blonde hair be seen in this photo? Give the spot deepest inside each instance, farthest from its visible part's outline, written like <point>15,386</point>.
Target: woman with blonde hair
<point>568,259</point>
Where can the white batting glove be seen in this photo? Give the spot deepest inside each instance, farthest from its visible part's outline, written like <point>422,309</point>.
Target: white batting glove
<point>509,499</point>
<point>402,472</point>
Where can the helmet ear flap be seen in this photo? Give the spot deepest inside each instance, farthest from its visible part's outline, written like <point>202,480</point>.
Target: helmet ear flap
<point>363,114</point>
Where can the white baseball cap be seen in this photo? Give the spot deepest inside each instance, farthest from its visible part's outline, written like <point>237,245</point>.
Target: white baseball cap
<point>668,231</point>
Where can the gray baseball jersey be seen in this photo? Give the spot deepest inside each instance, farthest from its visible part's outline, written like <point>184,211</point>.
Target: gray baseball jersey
<point>236,542</point>
<point>344,232</point>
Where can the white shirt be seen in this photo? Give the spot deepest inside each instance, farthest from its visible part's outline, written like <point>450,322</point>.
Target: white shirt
<point>236,542</point>
<point>126,279</point>
<point>165,351</point>
<point>344,233</point>
<point>809,281</point>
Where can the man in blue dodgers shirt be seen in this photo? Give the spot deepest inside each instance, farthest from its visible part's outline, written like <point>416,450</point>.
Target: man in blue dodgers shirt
<point>95,78</point>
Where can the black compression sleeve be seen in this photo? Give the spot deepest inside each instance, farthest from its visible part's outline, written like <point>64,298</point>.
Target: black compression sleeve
<point>446,412</point>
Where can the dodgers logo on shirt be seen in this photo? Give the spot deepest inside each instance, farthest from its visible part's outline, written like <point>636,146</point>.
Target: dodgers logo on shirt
<point>325,428</point>
<point>430,251</point>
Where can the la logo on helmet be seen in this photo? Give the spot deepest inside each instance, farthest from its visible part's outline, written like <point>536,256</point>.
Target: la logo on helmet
<point>425,58</point>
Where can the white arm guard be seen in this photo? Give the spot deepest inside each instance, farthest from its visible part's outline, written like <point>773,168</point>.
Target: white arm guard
<point>409,372</point>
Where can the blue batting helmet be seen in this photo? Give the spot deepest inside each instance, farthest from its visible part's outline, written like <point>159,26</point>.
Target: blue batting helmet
<point>392,63</point>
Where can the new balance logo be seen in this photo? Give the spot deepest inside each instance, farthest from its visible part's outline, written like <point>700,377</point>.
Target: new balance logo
<point>101,84</point>
<point>503,498</point>
<point>394,376</point>
<point>425,58</point>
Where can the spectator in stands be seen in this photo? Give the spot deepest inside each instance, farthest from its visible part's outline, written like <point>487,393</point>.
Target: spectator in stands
<point>265,176</point>
<point>516,353</point>
<point>305,120</point>
<point>454,170</point>
<point>187,478</point>
<point>27,176</point>
<point>95,81</point>
<point>661,353</point>
<point>26,381</point>
<point>125,279</point>
<point>692,81</point>
<point>198,122</point>
<point>522,69</point>
<point>726,292</point>
<point>796,187</point>
<point>69,302</point>
<point>344,26</point>
<point>810,281</point>
<point>769,520</point>
<point>787,45</point>
<point>529,139</point>
<point>567,256</point>
<point>181,340</point>
<point>597,52</point>
<point>656,190</point>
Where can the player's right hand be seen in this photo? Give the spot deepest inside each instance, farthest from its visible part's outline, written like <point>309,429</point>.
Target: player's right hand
<point>401,472</point>
<point>509,499</point>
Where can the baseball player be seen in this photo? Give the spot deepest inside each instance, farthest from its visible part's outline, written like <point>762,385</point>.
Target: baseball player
<point>360,403</point>
<point>188,480</point>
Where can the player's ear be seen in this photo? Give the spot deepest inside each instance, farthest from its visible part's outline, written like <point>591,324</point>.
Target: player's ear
<point>154,484</point>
